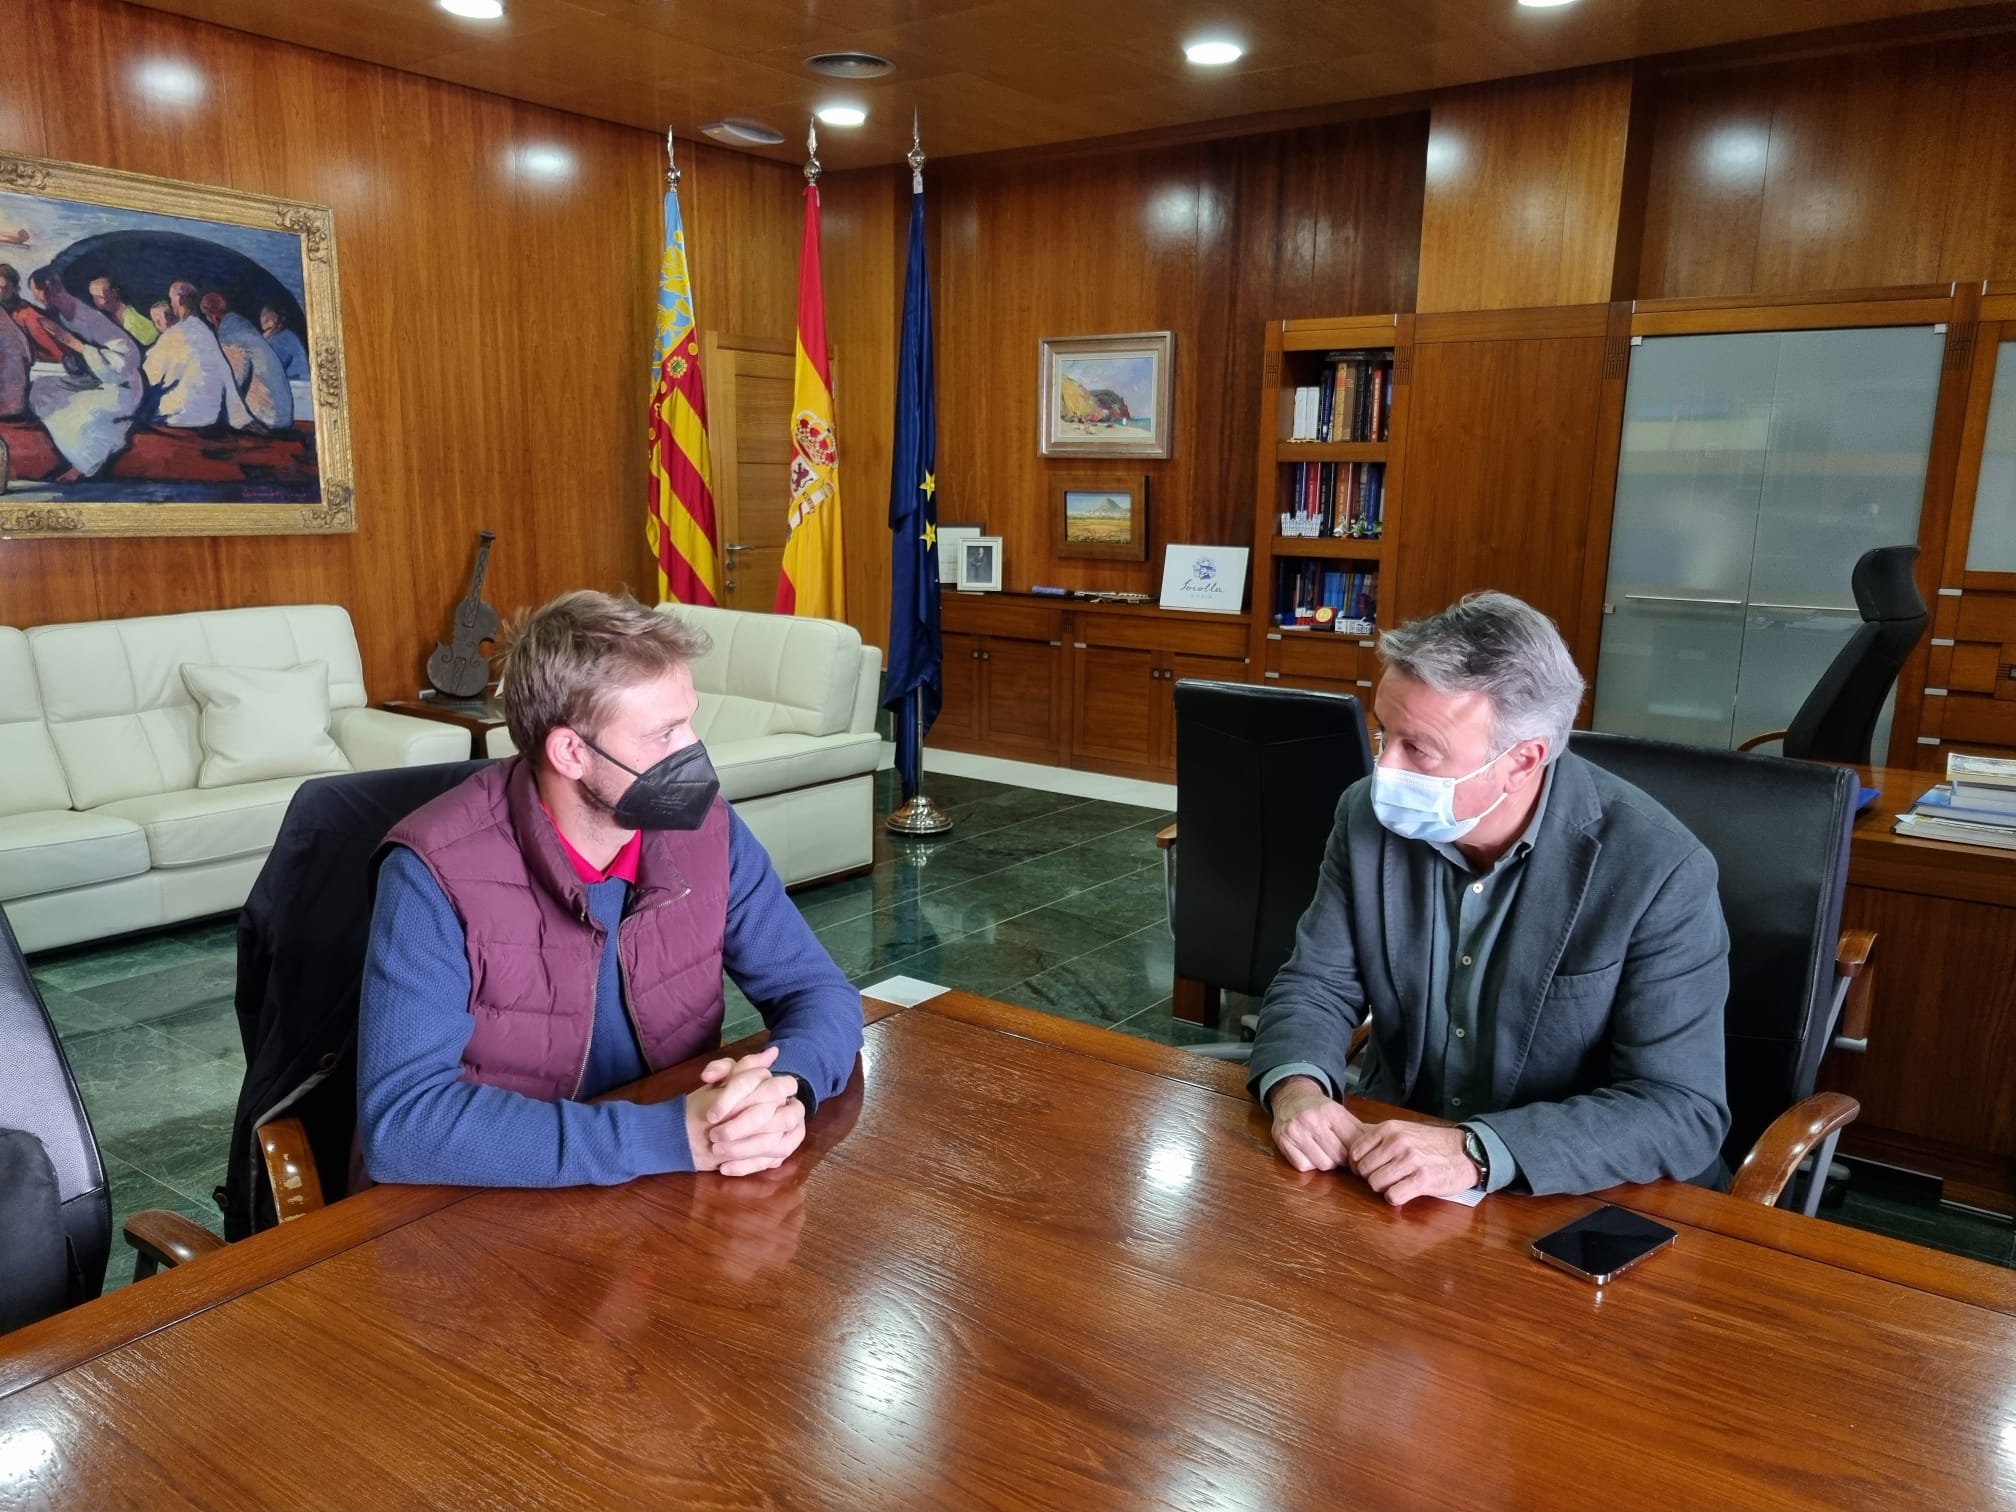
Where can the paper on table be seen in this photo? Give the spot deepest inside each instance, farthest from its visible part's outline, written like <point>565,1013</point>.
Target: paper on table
<point>1468,1199</point>
<point>903,991</point>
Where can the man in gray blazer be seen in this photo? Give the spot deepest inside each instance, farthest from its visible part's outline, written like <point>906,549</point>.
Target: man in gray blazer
<point>1538,943</point>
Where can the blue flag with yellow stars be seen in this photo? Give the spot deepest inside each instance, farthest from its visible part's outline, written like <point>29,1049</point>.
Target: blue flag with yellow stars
<point>916,654</point>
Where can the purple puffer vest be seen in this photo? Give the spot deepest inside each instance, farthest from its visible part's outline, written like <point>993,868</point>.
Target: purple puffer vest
<point>534,951</point>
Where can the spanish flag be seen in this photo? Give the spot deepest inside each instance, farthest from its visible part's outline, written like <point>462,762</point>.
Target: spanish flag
<point>813,581</point>
<point>680,524</point>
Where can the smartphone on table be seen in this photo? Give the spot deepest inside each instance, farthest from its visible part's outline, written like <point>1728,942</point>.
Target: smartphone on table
<point>1602,1245</point>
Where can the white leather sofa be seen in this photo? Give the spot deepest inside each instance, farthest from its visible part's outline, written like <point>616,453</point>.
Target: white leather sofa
<point>787,709</point>
<point>103,828</point>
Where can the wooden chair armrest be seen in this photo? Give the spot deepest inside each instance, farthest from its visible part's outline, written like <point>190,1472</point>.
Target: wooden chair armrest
<point>1358,1037</point>
<point>1764,739</point>
<point>1164,838</point>
<point>1851,959</point>
<point>1792,1135</point>
<point>290,1169</point>
<point>162,1238</point>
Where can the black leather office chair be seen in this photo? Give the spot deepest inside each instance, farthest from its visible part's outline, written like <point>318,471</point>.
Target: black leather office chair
<point>44,1269</point>
<point>1779,832</point>
<point>1259,771</point>
<point>1838,719</point>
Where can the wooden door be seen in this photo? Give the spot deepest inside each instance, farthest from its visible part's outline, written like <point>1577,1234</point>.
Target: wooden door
<point>749,432</point>
<point>958,721</point>
<point>1117,691</point>
<point>1022,698</point>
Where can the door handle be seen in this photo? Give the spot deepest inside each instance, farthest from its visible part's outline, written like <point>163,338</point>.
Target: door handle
<point>731,550</point>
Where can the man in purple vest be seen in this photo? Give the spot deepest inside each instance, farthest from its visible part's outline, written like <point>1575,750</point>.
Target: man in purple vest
<point>558,925</point>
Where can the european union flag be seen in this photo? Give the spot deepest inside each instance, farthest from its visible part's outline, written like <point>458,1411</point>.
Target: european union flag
<point>916,654</point>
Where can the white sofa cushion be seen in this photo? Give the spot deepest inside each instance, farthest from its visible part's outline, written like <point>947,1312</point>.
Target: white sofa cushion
<point>208,824</point>
<point>780,763</point>
<point>30,776</point>
<point>257,723</point>
<point>772,674</point>
<point>122,721</point>
<point>59,848</point>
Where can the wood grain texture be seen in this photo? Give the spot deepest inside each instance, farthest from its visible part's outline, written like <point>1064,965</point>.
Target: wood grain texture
<point>497,323</point>
<point>906,1315</point>
<point>1855,169</point>
<point>1525,185</point>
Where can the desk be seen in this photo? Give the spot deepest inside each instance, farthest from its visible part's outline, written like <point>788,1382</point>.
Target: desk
<point>1037,1265</point>
<point>1938,1084</point>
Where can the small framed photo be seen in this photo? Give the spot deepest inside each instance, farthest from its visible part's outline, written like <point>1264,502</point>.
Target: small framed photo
<point>1106,396</point>
<point>1100,516</point>
<point>980,564</point>
<point>950,539</point>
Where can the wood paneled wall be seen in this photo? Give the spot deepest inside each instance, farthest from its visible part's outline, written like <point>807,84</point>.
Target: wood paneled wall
<point>1209,240</point>
<point>1524,191</point>
<point>498,325</point>
<point>1852,171</point>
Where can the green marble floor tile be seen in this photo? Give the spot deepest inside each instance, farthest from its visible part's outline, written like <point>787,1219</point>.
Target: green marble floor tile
<point>1108,985</point>
<point>76,1016</point>
<point>1156,1023</point>
<point>1135,899</point>
<point>188,1152</point>
<point>211,1027</point>
<point>1932,1225</point>
<point>167,990</point>
<point>95,965</point>
<point>136,1078</point>
<point>871,942</point>
<point>974,964</point>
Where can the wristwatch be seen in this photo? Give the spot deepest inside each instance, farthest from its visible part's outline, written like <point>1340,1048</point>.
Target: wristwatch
<point>1474,1151</point>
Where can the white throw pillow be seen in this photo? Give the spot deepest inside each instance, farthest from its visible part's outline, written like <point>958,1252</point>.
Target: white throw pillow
<point>260,722</point>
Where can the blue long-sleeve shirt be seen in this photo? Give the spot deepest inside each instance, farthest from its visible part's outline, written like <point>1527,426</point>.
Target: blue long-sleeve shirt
<point>420,1122</point>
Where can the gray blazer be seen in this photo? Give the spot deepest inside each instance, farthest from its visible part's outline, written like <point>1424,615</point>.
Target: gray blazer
<point>1607,1045</point>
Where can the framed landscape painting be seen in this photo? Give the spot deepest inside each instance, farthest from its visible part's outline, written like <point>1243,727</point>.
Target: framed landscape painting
<point>1100,516</point>
<point>1106,396</point>
<point>171,359</point>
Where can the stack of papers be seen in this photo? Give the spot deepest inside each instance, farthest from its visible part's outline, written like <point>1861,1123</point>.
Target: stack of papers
<point>1975,805</point>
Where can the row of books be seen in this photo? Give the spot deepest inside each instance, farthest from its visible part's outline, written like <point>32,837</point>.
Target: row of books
<point>1975,805</point>
<point>1313,596</point>
<point>1336,499</point>
<point>1350,402</point>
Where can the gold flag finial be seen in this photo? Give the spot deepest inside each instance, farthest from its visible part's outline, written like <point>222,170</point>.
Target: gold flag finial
<point>671,162</point>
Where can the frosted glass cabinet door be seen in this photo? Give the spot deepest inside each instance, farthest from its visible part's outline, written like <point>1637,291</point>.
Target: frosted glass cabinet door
<point>1851,430</point>
<point>1992,546</point>
<point>1690,477</point>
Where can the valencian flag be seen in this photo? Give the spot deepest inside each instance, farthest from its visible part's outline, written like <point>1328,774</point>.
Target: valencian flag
<point>812,581</point>
<point>680,524</point>
<point>916,654</point>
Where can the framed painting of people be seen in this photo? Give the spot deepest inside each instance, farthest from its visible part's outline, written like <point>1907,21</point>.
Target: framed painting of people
<point>1105,396</point>
<point>171,359</point>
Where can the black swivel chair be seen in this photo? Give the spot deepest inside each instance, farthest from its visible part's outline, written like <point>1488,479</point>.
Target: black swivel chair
<point>48,1130</point>
<point>1779,833</point>
<point>1259,772</point>
<point>1838,719</point>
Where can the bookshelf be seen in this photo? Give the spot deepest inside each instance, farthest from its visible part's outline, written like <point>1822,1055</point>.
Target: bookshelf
<point>1333,466</point>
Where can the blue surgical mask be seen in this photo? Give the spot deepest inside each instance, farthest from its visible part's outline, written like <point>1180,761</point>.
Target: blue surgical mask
<point>1419,807</point>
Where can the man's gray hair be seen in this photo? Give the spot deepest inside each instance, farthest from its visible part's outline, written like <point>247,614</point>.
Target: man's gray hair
<point>1500,646</point>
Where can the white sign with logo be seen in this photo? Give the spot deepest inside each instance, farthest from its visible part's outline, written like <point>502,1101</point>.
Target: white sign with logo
<point>1209,578</point>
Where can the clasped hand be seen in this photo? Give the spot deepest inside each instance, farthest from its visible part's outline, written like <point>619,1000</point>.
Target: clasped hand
<point>1399,1160</point>
<point>744,1118</point>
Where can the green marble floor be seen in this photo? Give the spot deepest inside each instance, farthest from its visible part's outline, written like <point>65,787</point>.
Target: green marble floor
<point>1041,899</point>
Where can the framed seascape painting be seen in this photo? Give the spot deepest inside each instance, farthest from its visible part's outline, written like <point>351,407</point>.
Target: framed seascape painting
<point>171,359</point>
<point>1106,396</point>
<point>1100,517</point>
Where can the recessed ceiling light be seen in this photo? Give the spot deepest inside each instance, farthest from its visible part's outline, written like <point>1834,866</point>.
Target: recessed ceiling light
<point>742,133</point>
<point>1544,4</point>
<point>1214,54</point>
<point>841,115</point>
<point>475,10</point>
<point>849,65</point>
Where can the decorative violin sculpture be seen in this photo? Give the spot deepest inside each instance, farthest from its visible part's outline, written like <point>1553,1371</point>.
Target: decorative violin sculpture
<point>459,668</point>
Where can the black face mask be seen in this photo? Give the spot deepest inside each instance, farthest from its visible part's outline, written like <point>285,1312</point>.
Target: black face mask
<point>675,794</point>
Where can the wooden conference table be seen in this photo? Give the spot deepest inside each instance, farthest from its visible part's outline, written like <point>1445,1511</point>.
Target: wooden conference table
<point>1033,1264</point>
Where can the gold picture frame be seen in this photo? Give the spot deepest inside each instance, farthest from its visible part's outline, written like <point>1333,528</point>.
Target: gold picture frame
<point>1102,516</point>
<point>1106,396</point>
<point>92,448</point>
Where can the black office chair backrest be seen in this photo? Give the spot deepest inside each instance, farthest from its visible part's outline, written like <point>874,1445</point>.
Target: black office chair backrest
<point>1838,719</point>
<point>301,941</point>
<point>1259,771</point>
<point>1778,831</point>
<point>39,1096</point>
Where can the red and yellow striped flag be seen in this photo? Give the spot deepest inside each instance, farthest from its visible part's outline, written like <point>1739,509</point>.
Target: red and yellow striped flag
<point>680,522</point>
<point>813,581</point>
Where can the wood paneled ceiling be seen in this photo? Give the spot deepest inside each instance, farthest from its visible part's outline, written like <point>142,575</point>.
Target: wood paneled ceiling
<point>990,75</point>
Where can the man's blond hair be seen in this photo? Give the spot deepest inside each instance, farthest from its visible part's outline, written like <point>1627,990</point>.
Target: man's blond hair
<point>564,661</point>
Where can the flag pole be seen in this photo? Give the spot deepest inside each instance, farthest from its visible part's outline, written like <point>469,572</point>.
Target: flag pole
<point>919,815</point>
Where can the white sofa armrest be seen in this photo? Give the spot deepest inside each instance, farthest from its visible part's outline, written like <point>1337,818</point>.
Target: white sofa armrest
<point>867,692</point>
<point>376,738</point>
<point>498,742</point>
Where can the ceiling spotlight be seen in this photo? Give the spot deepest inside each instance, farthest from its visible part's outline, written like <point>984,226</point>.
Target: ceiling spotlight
<point>738,132</point>
<point>849,65</point>
<point>841,115</point>
<point>1214,54</point>
<point>1544,4</point>
<point>475,10</point>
